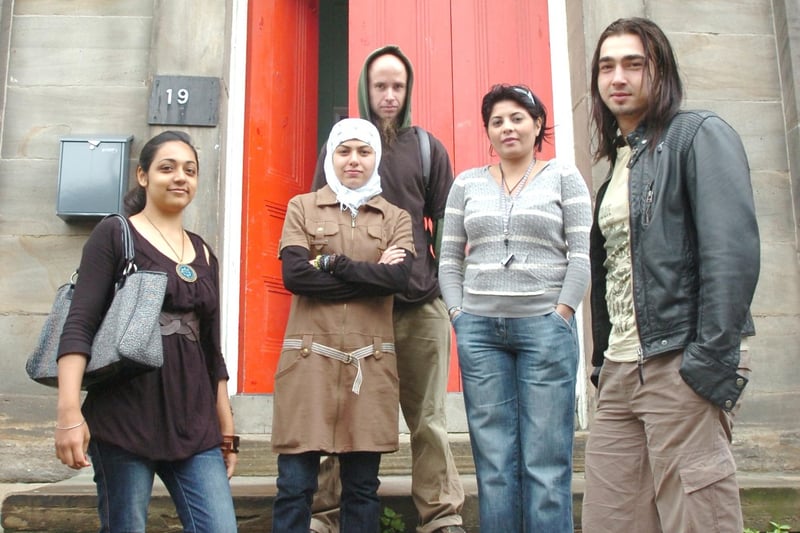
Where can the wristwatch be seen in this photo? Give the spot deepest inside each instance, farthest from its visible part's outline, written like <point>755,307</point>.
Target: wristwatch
<point>453,310</point>
<point>230,444</point>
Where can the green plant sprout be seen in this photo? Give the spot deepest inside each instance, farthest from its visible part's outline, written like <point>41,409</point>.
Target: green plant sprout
<point>776,528</point>
<point>392,522</point>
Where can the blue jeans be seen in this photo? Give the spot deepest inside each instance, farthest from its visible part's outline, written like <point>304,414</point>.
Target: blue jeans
<point>198,485</point>
<point>519,390</point>
<point>297,482</point>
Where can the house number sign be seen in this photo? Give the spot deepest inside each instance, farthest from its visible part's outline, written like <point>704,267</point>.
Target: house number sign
<point>184,101</point>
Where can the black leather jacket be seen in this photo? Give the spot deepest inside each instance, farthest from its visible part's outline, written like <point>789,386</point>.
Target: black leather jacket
<point>694,252</point>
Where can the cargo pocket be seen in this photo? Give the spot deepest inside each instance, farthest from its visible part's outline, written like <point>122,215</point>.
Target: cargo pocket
<point>321,234</point>
<point>377,238</point>
<point>712,495</point>
<point>707,471</point>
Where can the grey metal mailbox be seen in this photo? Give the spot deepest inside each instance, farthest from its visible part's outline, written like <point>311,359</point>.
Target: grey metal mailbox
<point>92,175</point>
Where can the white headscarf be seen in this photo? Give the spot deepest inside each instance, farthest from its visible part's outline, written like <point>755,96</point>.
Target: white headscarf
<point>345,130</point>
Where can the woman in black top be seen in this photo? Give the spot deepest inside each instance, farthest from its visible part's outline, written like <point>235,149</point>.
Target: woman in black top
<point>175,421</point>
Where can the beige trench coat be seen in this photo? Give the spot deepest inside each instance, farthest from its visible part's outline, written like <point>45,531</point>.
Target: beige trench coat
<point>315,408</point>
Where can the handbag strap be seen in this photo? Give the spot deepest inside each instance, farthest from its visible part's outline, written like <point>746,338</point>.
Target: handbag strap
<point>128,251</point>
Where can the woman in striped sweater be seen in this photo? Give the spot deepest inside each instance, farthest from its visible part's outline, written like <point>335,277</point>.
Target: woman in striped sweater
<point>514,266</point>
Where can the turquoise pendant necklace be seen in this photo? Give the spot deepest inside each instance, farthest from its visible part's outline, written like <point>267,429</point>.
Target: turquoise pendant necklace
<point>184,271</point>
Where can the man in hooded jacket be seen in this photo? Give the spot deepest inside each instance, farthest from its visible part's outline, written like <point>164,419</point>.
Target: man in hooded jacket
<point>421,322</point>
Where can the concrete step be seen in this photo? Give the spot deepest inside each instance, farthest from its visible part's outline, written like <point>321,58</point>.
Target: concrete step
<point>44,495</point>
<point>69,506</point>
<point>256,457</point>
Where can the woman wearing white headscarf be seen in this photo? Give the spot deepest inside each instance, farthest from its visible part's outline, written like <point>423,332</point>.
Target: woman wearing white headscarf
<point>345,251</point>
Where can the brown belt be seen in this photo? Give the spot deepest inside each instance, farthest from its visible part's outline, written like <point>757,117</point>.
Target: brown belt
<point>186,324</point>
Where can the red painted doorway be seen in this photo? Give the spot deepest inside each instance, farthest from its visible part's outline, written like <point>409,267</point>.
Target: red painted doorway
<point>279,157</point>
<point>457,56</point>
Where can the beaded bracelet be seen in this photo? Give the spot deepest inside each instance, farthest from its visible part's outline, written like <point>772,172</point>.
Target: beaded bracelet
<point>327,262</point>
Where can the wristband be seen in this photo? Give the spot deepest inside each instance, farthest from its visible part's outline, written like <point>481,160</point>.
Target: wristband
<point>230,444</point>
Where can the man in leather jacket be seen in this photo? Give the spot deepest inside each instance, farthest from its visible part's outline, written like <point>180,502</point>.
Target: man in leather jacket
<point>675,261</point>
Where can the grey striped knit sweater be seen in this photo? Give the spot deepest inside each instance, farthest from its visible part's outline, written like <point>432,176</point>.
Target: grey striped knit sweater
<point>548,233</point>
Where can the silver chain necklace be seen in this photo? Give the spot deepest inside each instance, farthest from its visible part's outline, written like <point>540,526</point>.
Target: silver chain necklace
<point>507,200</point>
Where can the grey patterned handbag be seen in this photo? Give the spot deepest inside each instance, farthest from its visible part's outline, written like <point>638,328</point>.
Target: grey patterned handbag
<point>128,341</point>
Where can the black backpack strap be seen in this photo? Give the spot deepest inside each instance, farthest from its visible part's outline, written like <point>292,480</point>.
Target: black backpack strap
<point>425,152</point>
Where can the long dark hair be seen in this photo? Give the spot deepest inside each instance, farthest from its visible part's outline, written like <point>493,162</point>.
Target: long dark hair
<point>661,69</point>
<point>136,199</point>
<point>523,96</point>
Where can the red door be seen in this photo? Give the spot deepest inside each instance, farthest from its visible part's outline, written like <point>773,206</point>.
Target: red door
<point>459,48</point>
<point>280,152</point>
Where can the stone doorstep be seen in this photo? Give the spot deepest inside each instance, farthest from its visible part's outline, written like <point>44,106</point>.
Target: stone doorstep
<point>69,506</point>
<point>755,450</point>
<point>256,457</point>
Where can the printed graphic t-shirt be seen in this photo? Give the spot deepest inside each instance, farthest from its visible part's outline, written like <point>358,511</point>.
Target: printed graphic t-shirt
<point>614,222</point>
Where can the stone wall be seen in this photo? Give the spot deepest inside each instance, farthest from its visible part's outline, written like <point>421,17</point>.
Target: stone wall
<point>787,33</point>
<point>76,67</point>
